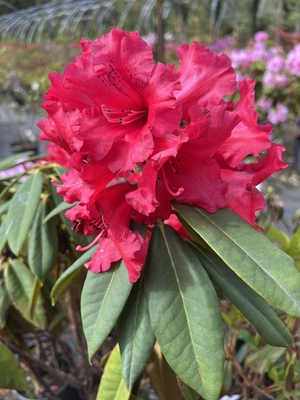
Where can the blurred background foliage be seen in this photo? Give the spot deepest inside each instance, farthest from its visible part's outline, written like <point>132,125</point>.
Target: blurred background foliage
<point>34,32</point>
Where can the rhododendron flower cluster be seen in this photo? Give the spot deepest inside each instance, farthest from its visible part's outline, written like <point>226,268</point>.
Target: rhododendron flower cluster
<point>137,136</point>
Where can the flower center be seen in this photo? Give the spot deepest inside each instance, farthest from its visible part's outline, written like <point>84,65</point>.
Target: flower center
<point>180,190</point>
<point>98,224</point>
<point>122,117</point>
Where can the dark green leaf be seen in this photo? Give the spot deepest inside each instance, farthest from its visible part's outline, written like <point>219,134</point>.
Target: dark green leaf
<point>65,281</point>
<point>22,211</point>
<point>135,334</point>
<point>103,298</point>
<point>184,312</point>
<point>43,243</point>
<point>12,375</point>
<point>78,239</point>
<point>3,234</point>
<point>21,285</point>
<point>112,385</point>
<point>265,268</point>
<point>5,302</point>
<point>250,303</point>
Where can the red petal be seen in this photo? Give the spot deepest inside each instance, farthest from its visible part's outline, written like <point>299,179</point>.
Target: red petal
<point>205,77</point>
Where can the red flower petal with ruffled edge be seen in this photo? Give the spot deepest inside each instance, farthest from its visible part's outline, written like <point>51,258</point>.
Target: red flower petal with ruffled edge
<point>242,195</point>
<point>109,215</point>
<point>73,188</point>
<point>61,126</point>
<point>205,77</point>
<point>247,137</point>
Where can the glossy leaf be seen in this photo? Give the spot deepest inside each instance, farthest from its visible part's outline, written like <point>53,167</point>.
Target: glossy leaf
<point>43,243</point>
<point>58,209</point>
<point>184,312</point>
<point>135,334</point>
<point>163,378</point>
<point>5,302</point>
<point>12,375</point>
<point>21,286</point>
<point>65,281</point>
<point>102,300</point>
<point>250,303</point>
<point>258,262</point>
<point>112,385</point>
<point>22,211</point>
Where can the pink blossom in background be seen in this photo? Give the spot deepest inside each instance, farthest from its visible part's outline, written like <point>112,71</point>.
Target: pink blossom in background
<point>258,52</point>
<point>293,60</point>
<point>274,80</point>
<point>279,114</point>
<point>239,58</point>
<point>264,103</point>
<point>275,64</point>
<point>261,36</point>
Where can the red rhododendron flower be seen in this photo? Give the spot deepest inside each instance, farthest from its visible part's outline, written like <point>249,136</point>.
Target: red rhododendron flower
<point>136,136</point>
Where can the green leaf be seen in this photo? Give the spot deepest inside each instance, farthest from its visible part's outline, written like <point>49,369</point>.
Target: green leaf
<point>184,312</point>
<point>112,385</point>
<point>11,161</point>
<point>5,302</point>
<point>60,170</point>
<point>250,303</point>
<point>162,377</point>
<point>3,234</point>
<point>4,207</point>
<point>102,300</point>
<point>294,245</point>
<point>265,268</point>
<point>58,209</point>
<point>82,240</point>
<point>65,281</point>
<point>13,183</point>
<point>187,392</point>
<point>21,286</point>
<point>263,359</point>
<point>22,211</point>
<point>43,243</point>
<point>135,334</point>
<point>12,375</point>
<point>278,236</point>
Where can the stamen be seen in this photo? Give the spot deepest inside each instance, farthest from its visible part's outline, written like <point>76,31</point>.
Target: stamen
<point>79,248</point>
<point>179,191</point>
<point>123,116</point>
